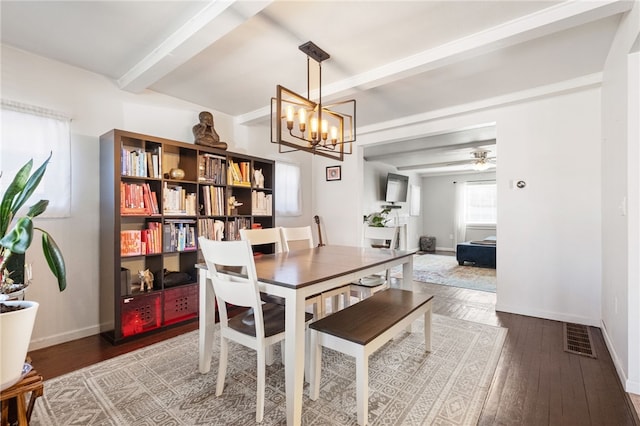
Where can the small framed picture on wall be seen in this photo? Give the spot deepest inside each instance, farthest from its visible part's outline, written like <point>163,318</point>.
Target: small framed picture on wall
<point>334,172</point>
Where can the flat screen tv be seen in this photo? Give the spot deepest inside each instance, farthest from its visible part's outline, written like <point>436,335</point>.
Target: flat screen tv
<point>397,188</point>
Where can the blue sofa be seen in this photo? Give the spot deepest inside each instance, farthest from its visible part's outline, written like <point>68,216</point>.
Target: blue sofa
<point>477,253</point>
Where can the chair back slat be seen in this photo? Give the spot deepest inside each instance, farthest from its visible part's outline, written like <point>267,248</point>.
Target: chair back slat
<point>375,235</point>
<point>231,287</point>
<point>263,236</point>
<point>297,238</point>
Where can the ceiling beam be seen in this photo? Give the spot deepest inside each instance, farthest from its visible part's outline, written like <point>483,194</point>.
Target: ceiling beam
<point>440,147</point>
<point>426,166</point>
<point>215,20</point>
<point>559,17</point>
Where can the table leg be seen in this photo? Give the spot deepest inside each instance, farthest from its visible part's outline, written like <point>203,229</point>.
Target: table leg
<point>407,274</point>
<point>427,329</point>
<point>407,282</point>
<point>206,322</point>
<point>294,357</point>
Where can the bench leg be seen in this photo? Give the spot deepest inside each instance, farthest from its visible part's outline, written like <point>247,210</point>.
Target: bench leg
<point>427,330</point>
<point>315,361</point>
<point>362,386</point>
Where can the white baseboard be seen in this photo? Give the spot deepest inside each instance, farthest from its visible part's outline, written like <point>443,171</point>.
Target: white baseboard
<point>629,385</point>
<point>632,386</point>
<point>63,337</point>
<point>445,249</point>
<point>555,316</point>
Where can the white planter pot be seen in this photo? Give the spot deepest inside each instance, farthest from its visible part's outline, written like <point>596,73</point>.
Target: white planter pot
<point>15,335</point>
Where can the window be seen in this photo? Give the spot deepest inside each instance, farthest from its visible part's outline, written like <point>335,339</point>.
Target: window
<point>288,190</point>
<point>30,132</point>
<point>480,203</point>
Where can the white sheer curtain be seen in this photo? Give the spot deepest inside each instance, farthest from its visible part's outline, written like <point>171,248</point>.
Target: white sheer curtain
<point>288,189</point>
<point>30,132</point>
<point>460,225</point>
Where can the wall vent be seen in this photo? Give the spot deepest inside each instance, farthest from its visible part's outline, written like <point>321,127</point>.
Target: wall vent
<point>577,340</point>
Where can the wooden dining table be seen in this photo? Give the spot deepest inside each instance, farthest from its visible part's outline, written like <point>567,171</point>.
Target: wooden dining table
<point>294,276</point>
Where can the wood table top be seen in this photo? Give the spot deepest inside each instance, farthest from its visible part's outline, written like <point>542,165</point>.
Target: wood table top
<point>301,268</point>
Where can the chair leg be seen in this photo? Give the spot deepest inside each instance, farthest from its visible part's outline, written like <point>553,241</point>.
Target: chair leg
<point>260,384</point>
<point>346,295</point>
<point>269,355</point>
<point>222,366</point>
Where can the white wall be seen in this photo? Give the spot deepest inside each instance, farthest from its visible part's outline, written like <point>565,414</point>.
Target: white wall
<point>620,277</point>
<point>374,181</point>
<point>548,262</point>
<point>96,106</point>
<point>438,206</point>
<point>258,143</point>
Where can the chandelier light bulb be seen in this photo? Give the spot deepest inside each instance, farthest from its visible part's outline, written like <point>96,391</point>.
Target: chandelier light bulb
<point>314,128</point>
<point>289,117</point>
<point>302,119</point>
<point>334,135</point>
<point>324,129</point>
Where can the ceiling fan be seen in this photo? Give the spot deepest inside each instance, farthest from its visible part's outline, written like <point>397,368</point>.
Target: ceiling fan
<point>480,160</point>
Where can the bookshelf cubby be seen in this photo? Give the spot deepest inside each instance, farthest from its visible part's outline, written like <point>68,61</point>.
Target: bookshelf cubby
<point>156,197</point>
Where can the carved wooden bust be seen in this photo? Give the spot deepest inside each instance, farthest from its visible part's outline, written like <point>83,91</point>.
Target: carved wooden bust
<point>205,134</point>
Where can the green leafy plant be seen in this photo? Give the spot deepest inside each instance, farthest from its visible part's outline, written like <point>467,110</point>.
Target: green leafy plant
<point>377,219</point>
<point>17,233</point>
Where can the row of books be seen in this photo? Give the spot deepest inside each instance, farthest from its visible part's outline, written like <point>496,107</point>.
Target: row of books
<point>212,169</point>
<point>179,235</point>
<point>176,200</point>
<point>262,203</point>
<point>211,228</point>
<point>213,200</point>
<point>233,228</point>
<point>138,162</point>
<point>240,173</point>
<point>138,199</point>
<point>145,241</point>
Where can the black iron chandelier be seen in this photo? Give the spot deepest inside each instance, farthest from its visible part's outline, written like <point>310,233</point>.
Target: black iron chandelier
<point>301,124</point>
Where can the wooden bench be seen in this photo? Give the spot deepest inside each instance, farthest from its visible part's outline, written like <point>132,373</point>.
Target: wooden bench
<point>363,328</point>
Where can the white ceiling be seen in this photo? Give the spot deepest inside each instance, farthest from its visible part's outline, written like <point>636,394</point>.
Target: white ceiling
<point>396,58</point>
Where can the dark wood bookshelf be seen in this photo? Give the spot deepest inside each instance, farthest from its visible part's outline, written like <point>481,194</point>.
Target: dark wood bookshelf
<point>135,170</point>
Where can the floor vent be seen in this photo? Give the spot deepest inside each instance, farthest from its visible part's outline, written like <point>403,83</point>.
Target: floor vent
<point>577,340</point>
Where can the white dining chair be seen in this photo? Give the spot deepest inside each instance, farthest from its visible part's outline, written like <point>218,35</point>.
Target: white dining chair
<point>383,237</point>
<point>264,236</point>
<point>260,327</point>
<point>302,237</point>
<point>257,237</point>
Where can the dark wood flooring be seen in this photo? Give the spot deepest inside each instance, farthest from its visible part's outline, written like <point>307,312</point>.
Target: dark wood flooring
<point>536,382</point>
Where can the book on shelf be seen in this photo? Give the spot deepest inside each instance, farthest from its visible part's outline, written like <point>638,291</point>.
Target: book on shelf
<point>152,237</point>
<point>261,203</point>
<point>212,197</point>
<point>179,235</point>
<point>177,201</point>
<point>212,169</point>
<point>137,199</point>
<point>140,163</point>
<point>212,229</point>
<point>234,226</point>
<point>239,173</point>
<point>130,243</point>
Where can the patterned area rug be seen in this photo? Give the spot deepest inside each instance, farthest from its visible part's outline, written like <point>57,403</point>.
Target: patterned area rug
<point>442,269</point>
<point>161,385</point>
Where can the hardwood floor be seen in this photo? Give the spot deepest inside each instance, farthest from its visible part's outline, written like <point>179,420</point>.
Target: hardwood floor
<point>536,382</point>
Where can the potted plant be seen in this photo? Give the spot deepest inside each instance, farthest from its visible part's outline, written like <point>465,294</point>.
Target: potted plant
<point>17,317</point>
<point>377,219</point>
